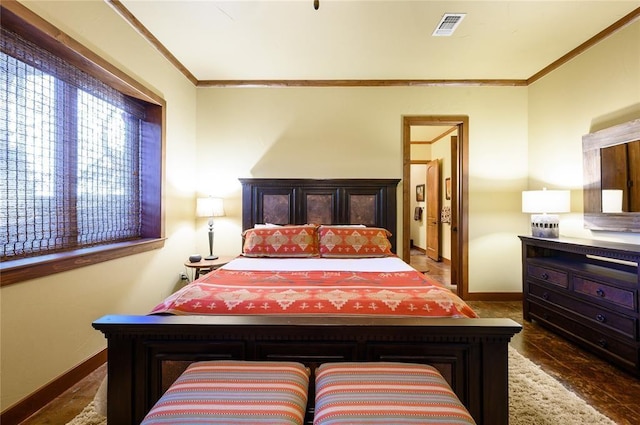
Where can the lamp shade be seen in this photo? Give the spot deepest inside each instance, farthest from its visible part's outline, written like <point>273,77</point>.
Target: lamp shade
<point>209,207</point>
<point>546,201</point>
<point>612,200</point>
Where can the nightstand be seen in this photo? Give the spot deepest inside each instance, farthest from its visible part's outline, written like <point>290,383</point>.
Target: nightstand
<point>205,266</point>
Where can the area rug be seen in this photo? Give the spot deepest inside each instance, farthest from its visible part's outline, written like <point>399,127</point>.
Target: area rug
<point>535,398</point>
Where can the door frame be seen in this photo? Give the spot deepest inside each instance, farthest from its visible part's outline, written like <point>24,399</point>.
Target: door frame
<point>459,192</point>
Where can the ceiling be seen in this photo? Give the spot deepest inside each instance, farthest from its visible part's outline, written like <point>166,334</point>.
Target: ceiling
<point>369,39</point>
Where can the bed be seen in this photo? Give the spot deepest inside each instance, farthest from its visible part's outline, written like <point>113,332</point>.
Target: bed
<point>311,298</point>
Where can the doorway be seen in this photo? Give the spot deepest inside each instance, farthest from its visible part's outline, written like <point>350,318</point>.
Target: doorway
<point>457,188</point>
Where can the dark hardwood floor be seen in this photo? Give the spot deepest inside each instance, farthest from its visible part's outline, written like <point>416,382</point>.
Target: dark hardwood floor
<point>67,406</point>
<point>439,270</point>
<point>607,388</point>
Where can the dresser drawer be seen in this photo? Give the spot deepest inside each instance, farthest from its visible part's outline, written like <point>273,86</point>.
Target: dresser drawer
<point>602,342</point>
<point>601,318</point>
<point>586,291</point>
<point>555,277</point>
<point>602,292</point>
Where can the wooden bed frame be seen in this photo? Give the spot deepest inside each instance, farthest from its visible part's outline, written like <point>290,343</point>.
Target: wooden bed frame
<point>147,353</point>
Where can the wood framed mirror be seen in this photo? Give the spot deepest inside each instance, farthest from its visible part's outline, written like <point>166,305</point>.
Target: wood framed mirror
<point>611,163</point>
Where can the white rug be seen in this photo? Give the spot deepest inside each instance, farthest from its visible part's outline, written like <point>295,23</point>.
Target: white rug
<point>535,398</point>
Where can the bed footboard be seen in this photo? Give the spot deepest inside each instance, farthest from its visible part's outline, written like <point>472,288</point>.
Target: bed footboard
<point>147,353</point>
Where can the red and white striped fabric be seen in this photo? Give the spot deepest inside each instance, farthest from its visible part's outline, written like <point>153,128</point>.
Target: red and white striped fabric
<point>234,392</point>
<point>385,393</point>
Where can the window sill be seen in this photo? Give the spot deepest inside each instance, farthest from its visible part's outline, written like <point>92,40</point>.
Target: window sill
<point>31,268</point>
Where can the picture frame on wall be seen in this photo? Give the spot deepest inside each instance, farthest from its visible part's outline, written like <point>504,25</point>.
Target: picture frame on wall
<point>447,188</point>
<point>420,193</point>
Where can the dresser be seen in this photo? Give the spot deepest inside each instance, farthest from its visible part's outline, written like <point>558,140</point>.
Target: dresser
<point>586,291</point>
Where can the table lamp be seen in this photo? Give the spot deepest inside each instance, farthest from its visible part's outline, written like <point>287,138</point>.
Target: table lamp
<point>210,207</point>
<point>542,204</point>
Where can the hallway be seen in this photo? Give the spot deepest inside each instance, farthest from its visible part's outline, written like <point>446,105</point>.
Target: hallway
<point>438,270</point>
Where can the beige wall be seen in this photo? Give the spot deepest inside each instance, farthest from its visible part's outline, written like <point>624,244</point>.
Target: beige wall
<point>597,89</point>
<point>46,323</point>
<point>357,132</point>
<point>215,136</point>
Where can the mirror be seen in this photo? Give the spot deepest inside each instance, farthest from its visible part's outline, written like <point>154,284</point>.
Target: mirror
<point>611,160</point>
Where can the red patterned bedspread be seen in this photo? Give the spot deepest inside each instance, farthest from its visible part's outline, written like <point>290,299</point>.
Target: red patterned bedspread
<point>315,293</point>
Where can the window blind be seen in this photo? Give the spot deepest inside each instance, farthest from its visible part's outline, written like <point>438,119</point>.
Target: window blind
<point>70,149</point>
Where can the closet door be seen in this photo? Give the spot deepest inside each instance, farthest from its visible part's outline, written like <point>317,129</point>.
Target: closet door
<point>433,210</point>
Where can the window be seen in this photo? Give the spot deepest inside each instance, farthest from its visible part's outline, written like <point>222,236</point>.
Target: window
<point>80,161</point>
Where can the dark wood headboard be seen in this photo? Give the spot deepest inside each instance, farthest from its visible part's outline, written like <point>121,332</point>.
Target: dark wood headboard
<point>371,202</point>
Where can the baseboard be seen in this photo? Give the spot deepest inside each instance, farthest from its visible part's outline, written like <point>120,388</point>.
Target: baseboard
<point>37,400</point>
<point>493,296</point>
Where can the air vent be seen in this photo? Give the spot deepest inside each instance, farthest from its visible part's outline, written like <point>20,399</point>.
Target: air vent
<point>448,24</point>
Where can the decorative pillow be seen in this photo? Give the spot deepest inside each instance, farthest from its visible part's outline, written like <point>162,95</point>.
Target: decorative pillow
<point>284,241</point>
<point>354,242</point>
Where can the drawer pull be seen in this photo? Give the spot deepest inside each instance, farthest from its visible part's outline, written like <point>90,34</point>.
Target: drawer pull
<point>602,343</point>
<point>600,292</point>
<point>544,276</point>
<point>545,295</point>
<point>601,318</point>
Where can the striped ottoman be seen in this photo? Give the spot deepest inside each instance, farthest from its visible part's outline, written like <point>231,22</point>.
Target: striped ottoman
<point>234,392</point>
<point>385,393</point>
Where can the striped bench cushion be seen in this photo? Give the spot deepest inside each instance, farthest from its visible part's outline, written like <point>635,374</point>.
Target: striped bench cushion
<point>234,392</point>
<point>385,393</point>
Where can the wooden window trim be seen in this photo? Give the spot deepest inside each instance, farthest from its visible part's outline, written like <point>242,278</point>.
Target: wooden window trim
<point>44,265</point>
<point>23,21</point>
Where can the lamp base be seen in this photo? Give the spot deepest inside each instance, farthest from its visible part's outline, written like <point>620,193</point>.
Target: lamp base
<point>211,257</point>
<point>545,226</point>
